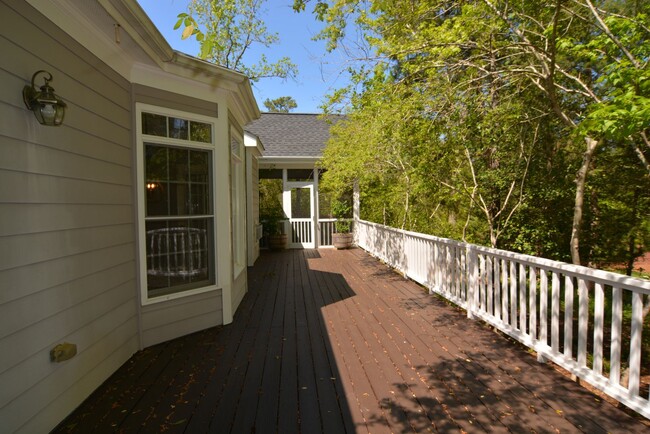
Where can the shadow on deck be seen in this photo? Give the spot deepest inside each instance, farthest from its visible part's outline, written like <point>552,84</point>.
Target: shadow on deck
<point>332,341</point>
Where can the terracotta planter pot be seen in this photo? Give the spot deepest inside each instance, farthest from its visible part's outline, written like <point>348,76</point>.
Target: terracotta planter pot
<point>342,241</point>
<point>278,242</point>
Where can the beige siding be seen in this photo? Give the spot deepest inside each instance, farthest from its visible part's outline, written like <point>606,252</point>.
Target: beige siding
<point>253,206</point>
<point>67,265</point>
<point>170,319</point>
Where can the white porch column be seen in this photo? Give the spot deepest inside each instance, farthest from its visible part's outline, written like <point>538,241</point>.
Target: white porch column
<point>316,210</point>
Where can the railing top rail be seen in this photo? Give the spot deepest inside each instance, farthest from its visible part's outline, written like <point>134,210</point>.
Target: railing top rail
<point>599,276</point>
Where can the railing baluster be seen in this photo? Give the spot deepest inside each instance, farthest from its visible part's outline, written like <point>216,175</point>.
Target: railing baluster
<point>532,303</point>
<point>436,267</point>
<point>523,299</point>
<point>497,288</point>
<point>456,273</point>
<point>568,316</point>
<point>489,269</point>
<point>617,325</point>
<point>459,273</point>
<point>543,306</point>
<point>599,324</point>
<point>472,288</point>
<point>481,282</point>
<point>513,294</point>
<point>635,343</point>
<point>583,321</point>
<point>504,291</point>
<point>555,312</point>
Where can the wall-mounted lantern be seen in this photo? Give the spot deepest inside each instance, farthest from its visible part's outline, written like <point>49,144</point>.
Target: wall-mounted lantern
<point>48,108</point>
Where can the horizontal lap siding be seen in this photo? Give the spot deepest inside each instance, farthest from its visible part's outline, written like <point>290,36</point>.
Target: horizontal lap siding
<point>67,246</point>
<point>167,320</point>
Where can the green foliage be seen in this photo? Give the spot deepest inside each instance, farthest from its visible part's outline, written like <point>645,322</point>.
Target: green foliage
<point>283,104</point>
<point>468,120</point>
<point>226,29</point>
<point>342,210</point>
<point>271,212</point>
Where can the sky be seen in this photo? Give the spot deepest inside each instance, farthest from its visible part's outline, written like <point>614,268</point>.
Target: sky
<point>319,73</point>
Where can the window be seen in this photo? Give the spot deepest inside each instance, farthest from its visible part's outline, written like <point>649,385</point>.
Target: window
<point>177,225</point>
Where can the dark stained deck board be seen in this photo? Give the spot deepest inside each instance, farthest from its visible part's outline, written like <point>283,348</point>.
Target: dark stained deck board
<point>462,344</point>
<point>416,350</point>
<point>327,376</point>
<point>333,341</point>
<point>396,347</point>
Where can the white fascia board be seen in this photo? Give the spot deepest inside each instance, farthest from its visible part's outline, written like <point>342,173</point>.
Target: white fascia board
<point>253,143</point>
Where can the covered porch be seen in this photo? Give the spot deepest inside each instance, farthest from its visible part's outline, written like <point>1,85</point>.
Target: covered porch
<point>334,341</point>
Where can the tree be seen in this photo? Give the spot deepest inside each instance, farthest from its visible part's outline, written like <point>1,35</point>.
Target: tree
<point>578,70</point>
<point>283,104</point>
<point>227,29</point>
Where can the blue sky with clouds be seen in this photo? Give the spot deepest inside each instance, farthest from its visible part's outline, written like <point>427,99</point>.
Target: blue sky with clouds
<point>318,72</point>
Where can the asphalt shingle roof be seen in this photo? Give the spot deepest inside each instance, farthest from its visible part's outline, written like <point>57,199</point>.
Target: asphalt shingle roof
<point>292,134</point>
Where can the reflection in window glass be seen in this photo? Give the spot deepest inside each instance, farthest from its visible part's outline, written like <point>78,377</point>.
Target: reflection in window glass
<point>178,128</point>
<point>177,181</point>
<point>179,164</point>
<point>179,198</point>
<point>200,132</point>
<point>154,125</point>
<point>199,165</point>
<point>179,255</point>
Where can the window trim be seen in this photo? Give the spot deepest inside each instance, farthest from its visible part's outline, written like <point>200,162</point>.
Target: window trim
<point>141,139</point>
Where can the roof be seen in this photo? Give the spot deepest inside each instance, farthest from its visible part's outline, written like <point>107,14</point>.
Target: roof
<point>292,134</point>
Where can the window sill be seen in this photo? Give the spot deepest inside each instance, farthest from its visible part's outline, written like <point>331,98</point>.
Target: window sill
<point>190,292</point>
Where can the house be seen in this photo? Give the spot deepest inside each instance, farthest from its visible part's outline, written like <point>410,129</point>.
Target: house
<point>293,144</point>
<point>128,224</point>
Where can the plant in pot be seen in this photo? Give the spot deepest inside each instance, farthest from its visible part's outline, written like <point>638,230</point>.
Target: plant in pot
<point>274,229</point>
<point>271,214</point>
<point>342,236</point>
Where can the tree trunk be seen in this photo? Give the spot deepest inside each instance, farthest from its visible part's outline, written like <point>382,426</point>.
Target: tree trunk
<point>581,181</point>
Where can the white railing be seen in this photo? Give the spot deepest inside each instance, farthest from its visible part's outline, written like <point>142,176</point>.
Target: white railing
<point>326,229</point>
<point>300,232</point>
<point>588,321</point>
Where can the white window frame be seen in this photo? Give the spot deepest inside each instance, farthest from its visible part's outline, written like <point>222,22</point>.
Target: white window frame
<point>141,139</point>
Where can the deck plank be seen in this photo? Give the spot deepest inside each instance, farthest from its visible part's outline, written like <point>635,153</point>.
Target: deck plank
<point>335,342</point>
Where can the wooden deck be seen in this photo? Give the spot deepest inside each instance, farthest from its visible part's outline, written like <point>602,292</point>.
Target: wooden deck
<point>333,341</point>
